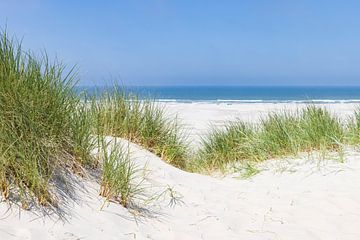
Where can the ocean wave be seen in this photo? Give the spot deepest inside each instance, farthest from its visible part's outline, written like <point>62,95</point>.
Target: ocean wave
<point>167,100</point>
<point>239,100</point>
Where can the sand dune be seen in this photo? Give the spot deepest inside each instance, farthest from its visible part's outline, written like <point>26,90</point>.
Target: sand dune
<point>304,198</point>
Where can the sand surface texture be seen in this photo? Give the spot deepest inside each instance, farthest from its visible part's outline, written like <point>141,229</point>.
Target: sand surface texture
<point>303,198</point>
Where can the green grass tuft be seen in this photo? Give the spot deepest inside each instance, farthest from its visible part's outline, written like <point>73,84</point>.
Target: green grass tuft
<point>121,114</point>
<point>118,174</point>
<point>40,129</point>
<point>48,131</point>
<point>353,127</point>
<point>277,135</point>
<point>223,146</point>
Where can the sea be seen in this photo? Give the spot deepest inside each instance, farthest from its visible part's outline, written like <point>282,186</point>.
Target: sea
<point>241,94</point>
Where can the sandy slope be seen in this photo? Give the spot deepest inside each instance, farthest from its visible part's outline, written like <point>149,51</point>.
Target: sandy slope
<point>314,202</point>
<point>289,199</point>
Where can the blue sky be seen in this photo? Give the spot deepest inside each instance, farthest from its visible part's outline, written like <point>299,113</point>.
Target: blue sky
<point>195,42</point>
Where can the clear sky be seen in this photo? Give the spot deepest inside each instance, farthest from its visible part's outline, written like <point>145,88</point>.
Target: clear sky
<point>193,42</point>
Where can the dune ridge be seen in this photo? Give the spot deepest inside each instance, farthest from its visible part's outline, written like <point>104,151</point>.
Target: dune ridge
<point>298,199</point>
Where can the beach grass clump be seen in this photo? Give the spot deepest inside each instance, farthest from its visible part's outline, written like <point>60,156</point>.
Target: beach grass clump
<point>224,145</point>
<point>277,135</point>
<point>40,130</point>
<point>83,136</point>
<point>118,179</point>
<point>122,114</point>
<point>320,130</point>
<point>353,128</point>
<point>308,129</point>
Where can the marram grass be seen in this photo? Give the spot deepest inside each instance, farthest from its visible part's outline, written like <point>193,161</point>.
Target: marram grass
<point>47,132</point>
<point>222,146</point>
<point>119,179</point>
<point>122,114</point>
<point>40,130</point>
<point>277,135</point>
<point>353,127</point>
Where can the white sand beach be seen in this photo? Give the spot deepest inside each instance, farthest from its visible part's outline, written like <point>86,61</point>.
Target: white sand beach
<point>303,198</point>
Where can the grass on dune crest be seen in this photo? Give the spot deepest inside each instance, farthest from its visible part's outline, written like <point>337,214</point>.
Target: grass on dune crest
<point>222,146</point>
<point>47,132</point>
<point>277,135</point>
<point>122,114</point>
<point>40,129</point>
<point>119,179</point>
<point>353,126</point>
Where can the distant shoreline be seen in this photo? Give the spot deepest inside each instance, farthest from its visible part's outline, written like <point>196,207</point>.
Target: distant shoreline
<point>237,94</point>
